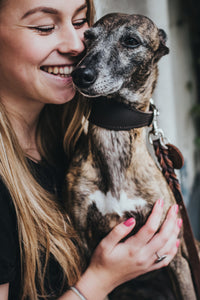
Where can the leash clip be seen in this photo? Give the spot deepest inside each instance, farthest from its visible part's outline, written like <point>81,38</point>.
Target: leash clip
<point>156,133</point>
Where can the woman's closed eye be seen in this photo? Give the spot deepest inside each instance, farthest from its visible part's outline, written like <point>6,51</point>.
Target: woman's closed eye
<point>43,29</point>
<point>79,23</point>
<point>47,29</point>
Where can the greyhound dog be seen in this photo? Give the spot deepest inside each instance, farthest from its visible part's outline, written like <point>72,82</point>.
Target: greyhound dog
<point>112,176</point>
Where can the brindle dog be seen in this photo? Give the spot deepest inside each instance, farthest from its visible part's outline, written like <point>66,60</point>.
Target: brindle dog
<point>112,176</point>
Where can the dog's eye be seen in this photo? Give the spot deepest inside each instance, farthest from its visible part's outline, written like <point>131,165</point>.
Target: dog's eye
<point>130,42</point>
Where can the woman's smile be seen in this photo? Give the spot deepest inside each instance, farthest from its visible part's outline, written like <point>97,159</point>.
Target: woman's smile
<point>61,71</point>
<point>60,75</point>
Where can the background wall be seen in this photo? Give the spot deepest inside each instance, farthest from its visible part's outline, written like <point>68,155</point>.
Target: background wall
<point>176,91</point>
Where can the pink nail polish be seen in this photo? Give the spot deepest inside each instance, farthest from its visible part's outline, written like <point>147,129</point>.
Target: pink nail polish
<point>179,222</point>
<point>129,222</point>
<point>177,243</point>
<point>160,202</point>
<point>176,208</point>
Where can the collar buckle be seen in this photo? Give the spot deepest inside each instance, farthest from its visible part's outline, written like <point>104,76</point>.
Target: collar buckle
<point>156,133</point>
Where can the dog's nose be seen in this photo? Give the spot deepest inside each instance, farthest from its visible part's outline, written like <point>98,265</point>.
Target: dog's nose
<point>83,77</point>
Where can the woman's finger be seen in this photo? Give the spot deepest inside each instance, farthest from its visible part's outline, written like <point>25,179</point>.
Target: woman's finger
<point>145,234</point>
<point>168,231</point>
<point>170,221</point>
<point>118,233</point>
<point>168,247</point>
<point>163,246</point>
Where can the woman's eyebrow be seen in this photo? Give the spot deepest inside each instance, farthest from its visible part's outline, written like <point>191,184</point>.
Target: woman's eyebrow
<point>82,7</point>
<point>43,9</point>
<point>49,10</point>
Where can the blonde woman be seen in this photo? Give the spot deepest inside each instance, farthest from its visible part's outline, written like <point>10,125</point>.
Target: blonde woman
<point>41,41</point>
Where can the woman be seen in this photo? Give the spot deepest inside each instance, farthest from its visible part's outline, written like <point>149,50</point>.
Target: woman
<point>41,41</point>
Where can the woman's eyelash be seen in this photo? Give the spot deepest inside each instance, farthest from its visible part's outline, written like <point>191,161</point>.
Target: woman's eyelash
<point>80,23</point>
<point>49,28</point>
<point>43,29</point>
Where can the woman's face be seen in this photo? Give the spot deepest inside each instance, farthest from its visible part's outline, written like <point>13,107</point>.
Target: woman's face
<point>40,42</point>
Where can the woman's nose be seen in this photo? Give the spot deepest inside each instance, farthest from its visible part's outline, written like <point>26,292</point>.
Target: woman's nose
<point>71,41</point>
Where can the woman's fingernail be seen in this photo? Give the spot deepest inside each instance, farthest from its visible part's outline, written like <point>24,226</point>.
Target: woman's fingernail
<point>176,208</point>
<point>177,243</point>
<point>129,222</point>
<point>160,202</point>
<point>179,222</point>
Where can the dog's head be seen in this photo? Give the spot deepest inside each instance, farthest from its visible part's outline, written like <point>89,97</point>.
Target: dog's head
<point>122,52</point>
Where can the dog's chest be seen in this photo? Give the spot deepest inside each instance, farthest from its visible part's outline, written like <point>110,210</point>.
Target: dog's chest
<point>109,204</point>
<point>116,192</point>
<point>114,180</point>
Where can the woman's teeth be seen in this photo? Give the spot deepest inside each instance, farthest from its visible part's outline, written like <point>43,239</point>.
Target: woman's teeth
<point>61,71</point>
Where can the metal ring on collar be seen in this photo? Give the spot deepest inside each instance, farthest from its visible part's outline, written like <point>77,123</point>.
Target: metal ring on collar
<point>159,258</point>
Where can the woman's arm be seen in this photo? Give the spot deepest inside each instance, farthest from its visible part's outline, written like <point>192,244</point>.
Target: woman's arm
<point>114,263</point>
<point>4,288</point>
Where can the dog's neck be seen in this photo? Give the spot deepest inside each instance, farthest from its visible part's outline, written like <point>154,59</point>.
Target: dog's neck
<point>113,153</point>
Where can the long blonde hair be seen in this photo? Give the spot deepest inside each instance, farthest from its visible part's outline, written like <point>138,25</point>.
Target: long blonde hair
<point>43,229</point>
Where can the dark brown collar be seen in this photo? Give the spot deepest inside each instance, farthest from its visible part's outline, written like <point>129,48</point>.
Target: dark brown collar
<point>117,116</point>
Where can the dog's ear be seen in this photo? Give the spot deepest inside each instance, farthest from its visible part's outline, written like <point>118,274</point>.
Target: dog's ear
<point>163,36</point>
<point>163,49</point>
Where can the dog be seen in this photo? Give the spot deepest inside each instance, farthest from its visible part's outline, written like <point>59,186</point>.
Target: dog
<point>112,176</point>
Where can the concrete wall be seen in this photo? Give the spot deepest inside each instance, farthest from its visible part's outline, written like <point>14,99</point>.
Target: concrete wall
<point>173,96</point>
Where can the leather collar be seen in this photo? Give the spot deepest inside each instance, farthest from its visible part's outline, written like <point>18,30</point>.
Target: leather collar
<point>117,116</point>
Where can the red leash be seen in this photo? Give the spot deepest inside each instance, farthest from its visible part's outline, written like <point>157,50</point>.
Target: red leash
<point>170,158</point>
<point>167,166</point>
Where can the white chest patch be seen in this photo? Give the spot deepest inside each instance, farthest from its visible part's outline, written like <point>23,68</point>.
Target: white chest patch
<point>106,203</point>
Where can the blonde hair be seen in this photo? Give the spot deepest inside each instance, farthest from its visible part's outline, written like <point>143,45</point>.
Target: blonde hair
<point>43,229</point>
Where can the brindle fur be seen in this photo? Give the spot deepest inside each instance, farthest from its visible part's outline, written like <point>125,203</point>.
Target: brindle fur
<point>115,165</point>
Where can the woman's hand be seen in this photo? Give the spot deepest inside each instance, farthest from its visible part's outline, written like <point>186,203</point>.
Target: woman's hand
<point>4,289</point>
<point>115,262</point>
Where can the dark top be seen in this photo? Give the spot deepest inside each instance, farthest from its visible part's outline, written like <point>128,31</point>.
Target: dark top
<point>51,179</point>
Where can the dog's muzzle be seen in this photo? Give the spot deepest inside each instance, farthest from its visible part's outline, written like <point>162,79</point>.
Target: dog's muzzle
<point>83,77</point>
